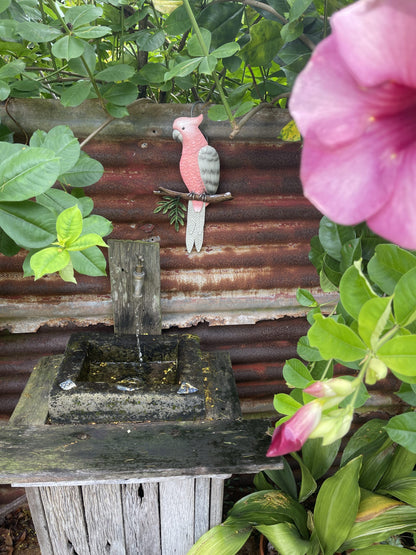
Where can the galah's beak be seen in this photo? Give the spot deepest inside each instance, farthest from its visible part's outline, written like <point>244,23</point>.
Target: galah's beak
<point>177,135</point>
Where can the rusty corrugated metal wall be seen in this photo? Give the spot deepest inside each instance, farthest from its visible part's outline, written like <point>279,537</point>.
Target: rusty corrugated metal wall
<point>237,294</point>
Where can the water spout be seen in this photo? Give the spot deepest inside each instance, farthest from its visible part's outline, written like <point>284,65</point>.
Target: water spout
<point>138,276</point>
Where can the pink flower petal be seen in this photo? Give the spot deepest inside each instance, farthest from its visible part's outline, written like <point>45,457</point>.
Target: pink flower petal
<point>345,183</point>
<point>377,39</point>
<point>292,434</point>
<point>396,220</point>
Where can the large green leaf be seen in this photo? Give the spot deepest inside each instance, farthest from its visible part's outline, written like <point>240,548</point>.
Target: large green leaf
<point>223,20</point>
<point>118,72</point>
<point>296,374</point>
<point>388,265</point>
<point>68,47</point>
<point>270,507</point>
<point>402,430</point>
<point>83,173</point>
<point>76,94</point>
<point>399,354</point>
<point>382,550</point>
<point>307,484</point>
<point>120,94</point>
<point>284,479</point>
<point>285,538</point>
<point>49,261</point>
<point>401,466</point>
<point>404,302</point>
<point>336,506</point>
<point>97,224</point>
<point>28,224</point>
<point>265,42</point>
<point>90,262</point>
<point>403,489</point>
<point>319,458</point>
<point>395,520</point>
<point>373,318</point>
<point>333,236</point>
<point>355,290</point>
<point>27,173</point>
<point>37,32</point>
<point>58,201</point>
<point>61,140</point>
<point>227,538</point>
<point>81,15</point>
<point>69,225</point>
<point>335,340</point>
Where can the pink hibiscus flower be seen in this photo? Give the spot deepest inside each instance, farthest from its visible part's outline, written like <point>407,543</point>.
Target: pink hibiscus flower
<point>355,105</point>
<point>292,434</point>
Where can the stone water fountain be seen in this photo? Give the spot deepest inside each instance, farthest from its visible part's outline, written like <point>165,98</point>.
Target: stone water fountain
<point>124,442</point>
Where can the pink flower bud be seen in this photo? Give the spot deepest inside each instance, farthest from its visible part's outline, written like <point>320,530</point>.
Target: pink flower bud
<point>292,434</point>
<point>331,388</point>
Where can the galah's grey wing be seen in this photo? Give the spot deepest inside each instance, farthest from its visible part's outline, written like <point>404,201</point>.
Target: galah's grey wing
<point>194,227</point>
<point>209,168</point>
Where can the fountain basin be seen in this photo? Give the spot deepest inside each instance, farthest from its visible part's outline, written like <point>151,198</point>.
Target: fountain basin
<point>108,379</point>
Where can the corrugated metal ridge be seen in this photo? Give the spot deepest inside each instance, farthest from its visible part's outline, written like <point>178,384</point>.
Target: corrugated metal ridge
<point>146,120</point>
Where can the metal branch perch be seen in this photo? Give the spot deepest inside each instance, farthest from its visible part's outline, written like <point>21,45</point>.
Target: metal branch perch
<point>212,199</point>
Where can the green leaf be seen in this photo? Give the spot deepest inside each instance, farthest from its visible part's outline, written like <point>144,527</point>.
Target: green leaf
<point>194,46</point>
<point>178,22</point>
<point>149,40</point>
<point>335,340</point>
<point>97,224</point>
<point>285,537</point>
<point>183,68</point>
<point>4,90</point>
<point>297,8</point>
<point>4,4</point>
<point>226,50</point>
<point>90,262</point>
<point>401,466</point>
<point>119,72</point>
<point>319,458</point>
<point>33,31</point>
<point>296,374</point>
<point>67,273</point>
<point>402,430</point>
<point>69,225</point>
<point>269,507</point>
<point>399,354</point>
<point>336,506</point>
<point>11,69</point>
<point>7,246</point>
<point>290,132</point>
<point>81,15</point>
<point>48,261</point>
<point>208,65</point>
<point>227,538</point>
<point>292,30</point>
<point>265,42</point>
<point>307,484</point>
<point>85,242</point>
<point>223,20</point>
<point>373,319</point>
<point>57,201</point>
<point>305,298</point>
<point>392,521</point>
<point>76,94</point>
<point>27,223</point>
<point>350,252</point>
<point>83,173</point>
<point>61,140</point>
<point>27,173</point>
<point>369,438</point>
<point>307,352</point>
<point>116,111</point>
<point>333,236</point>
<point>120,94</point>
<point>285,404</point>
<point>404,302</point>
<point>403,489</point>
<point>381,550</point>
<point>355,290</point>
<point>92,31</point>
<point>68,47</point>
<point>284,479</point>
<point>388,265</point>
<point>375,465</point>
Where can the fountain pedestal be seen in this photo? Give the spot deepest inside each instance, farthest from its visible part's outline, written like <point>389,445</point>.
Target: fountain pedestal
<point>109,469</point>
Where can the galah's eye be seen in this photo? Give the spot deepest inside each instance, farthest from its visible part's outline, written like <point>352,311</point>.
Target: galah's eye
<point>183,128</point>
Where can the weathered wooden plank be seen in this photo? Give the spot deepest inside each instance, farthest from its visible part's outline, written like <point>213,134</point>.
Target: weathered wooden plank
<point>32,407</point>
<point>217,493</point>
<point>202,503</point>
<point>142,522</point>
<point>104,519</point>
<point>38,516</point>
<point>133,314</point>
<point>64,512</point>
<point>77,453</point>
<point>177,513</point>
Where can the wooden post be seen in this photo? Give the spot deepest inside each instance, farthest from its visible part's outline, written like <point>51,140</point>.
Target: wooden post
<point>133,314</point>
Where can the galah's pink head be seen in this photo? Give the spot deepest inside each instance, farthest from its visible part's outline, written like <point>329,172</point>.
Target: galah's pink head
<point>187,128</point>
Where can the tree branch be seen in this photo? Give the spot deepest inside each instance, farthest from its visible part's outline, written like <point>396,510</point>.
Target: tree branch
<point>212,199</point>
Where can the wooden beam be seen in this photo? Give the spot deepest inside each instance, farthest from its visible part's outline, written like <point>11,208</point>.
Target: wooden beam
<point>79,454</point>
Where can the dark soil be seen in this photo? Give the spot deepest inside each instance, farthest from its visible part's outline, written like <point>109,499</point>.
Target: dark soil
<point>17,534</point>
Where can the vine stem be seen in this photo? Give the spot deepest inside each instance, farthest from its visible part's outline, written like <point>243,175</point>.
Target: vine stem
<point>212,199</point>
<point>205,51</point>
